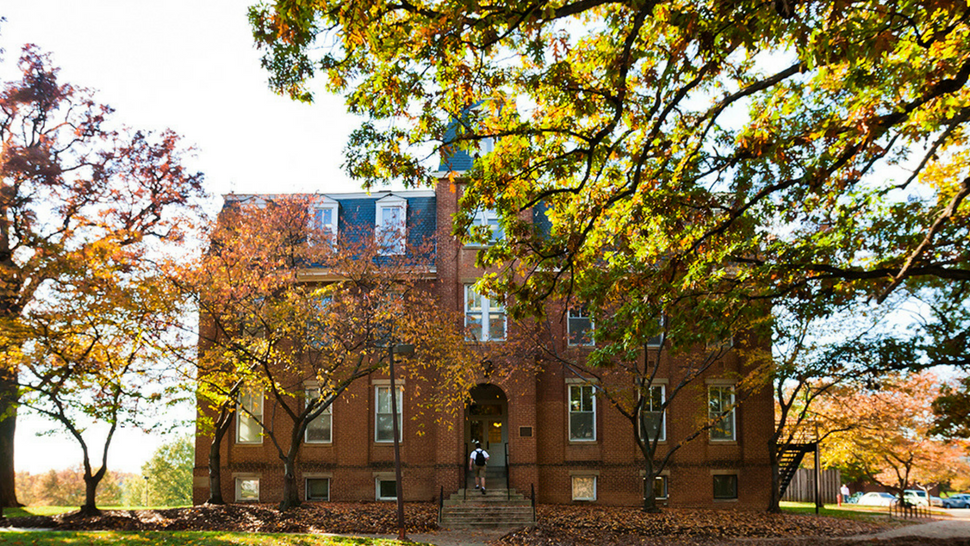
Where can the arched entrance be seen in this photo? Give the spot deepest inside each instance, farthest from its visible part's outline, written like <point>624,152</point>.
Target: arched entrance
<point>486,420</point>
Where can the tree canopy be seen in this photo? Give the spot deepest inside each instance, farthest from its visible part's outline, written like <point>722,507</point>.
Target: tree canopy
<point>82,204</point>
<point>719,152</point>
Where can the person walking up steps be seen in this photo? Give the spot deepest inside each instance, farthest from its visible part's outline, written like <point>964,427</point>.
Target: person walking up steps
<point>477,462</point>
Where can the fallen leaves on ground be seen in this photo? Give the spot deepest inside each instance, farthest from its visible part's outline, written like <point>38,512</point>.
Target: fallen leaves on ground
<point>557,524</point>
<point>611,525</point>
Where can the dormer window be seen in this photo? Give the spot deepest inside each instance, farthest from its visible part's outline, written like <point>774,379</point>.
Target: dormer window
<point>390,229</point>
<point>323,221</point>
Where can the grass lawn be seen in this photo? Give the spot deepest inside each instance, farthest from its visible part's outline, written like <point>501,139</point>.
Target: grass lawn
<point>54,510</point>
<point>37,511</point>
<point>180,538</point>
<point>846,511</point>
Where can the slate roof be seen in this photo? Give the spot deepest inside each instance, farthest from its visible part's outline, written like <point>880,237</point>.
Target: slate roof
<point>357,213</point>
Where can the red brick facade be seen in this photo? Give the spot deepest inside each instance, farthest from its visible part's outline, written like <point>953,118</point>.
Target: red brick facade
<point>534,424</point>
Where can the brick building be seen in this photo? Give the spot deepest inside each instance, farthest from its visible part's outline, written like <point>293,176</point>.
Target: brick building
<point>545,429</point>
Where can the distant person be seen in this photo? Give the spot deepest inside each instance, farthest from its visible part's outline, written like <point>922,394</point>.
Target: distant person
<point>843,494</point>
<point>477,462</point>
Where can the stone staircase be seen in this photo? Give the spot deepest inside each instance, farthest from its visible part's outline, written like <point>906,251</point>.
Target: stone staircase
<point>498,508</point>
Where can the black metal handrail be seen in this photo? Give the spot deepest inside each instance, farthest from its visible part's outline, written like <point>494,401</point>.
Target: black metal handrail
<point>441,503</point>
<point>508,470</point>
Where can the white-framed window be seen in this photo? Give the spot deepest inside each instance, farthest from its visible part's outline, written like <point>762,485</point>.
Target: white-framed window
<point>386,488</point>
<point>318,489</point>
<point>582,413</point>
<point>247,489</point>
<point>486,219</point>
<point>249,413</point>
<point>725,486</point>
<point>383,425</point>
<point>484,318</point>
<point>391,221</point>
<point>584,488</point>
<point>721,409</point>
<point>324,221</point>
<point>579,326</point>
<point>320,429</point>
<point>653,423</point>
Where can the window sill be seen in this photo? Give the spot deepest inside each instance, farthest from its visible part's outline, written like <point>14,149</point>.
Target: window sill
<point>592,442</point>
<point>723,442</point>
<point>249,444</point>
<point>318,444</point>
<point>726,500</point>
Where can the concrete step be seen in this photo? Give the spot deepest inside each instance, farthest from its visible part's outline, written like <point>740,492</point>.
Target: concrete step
<point>504,519</point>
<point>471,509</point>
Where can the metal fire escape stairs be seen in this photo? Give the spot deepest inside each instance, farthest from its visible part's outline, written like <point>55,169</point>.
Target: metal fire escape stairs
<point>803,442</point>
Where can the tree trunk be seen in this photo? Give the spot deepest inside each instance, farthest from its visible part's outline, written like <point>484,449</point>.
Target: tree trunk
<point>774,499</point>
<point>291,494</point>
<point>90,507</point>
<point>215,463</point>
<point>649,496</point>
<point>8,428</point>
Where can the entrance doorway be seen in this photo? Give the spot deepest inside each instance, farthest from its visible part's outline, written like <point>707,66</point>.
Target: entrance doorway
<point>486,420</point>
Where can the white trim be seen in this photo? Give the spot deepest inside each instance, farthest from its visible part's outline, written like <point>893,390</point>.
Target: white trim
<point>572,485</point>
<point>324,203</point>
<point>240,415</point>
<point>730,414</point>
<point>398,245</point>
<point>663,414</point>
<point>400,412</point>
<point>237,484</point>
<point>583,316</point>
<point>264,197</point>
<point>384,477</point>
<point>480,219</point>
<point>569,410</point>
<point>488,309</point>
<point>328,412</point>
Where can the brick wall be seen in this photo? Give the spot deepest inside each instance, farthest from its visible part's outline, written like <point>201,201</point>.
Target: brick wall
<point>433,447</point>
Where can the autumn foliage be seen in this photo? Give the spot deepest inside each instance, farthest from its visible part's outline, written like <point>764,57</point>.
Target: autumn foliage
<point>884,433</point>
<point>295,313</point>
<point>89,214</point>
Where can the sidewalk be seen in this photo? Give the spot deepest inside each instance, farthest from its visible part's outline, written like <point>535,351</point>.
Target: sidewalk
<point>933,529</point>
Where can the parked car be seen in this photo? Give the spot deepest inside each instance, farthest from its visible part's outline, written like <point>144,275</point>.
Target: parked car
<point>960,500</point>
<point>919,497</point>
<point>876,499</point>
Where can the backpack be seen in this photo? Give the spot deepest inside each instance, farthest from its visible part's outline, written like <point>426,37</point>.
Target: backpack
<point>479,457</point>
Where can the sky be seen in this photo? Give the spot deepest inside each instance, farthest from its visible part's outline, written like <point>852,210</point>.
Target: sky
<point>187,65</point>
